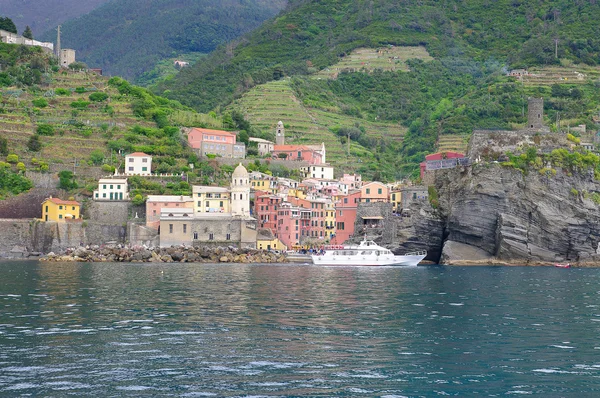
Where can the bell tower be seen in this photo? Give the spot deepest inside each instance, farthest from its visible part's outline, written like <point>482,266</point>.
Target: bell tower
<point>280,134</point>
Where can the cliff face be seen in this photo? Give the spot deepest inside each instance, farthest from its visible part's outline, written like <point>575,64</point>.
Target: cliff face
<point>516,217</point>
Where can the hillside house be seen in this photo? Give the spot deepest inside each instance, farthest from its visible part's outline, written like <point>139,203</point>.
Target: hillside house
<point>112,189</point>
<point>138,164</point>
<point>54,209</point>
<point>265,147</point>
<point>216,142</point>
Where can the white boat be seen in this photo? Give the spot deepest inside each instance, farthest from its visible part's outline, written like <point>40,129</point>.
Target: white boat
<point>366,253</point>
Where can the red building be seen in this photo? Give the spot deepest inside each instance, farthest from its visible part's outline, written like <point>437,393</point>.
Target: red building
<point>298,152</point>
<point>439,156</point>
<point>266,210</point>
<point>345,215</point>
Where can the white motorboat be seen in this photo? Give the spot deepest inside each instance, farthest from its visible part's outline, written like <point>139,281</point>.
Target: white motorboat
<point>366,253</point>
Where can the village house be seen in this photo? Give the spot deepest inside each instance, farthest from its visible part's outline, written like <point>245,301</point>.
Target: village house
<point>322,171</point>
<point>216,142</point>
<point>138,163</point>
<point>439,156</point>
<point>396,200</point>
<point>211,199</point>
<point>345,215</point>
<point>374,191</point>
<point>298,153</point>
<point>176,224</point>
<point>54,209</point>
<point>112,189</point>
<point>265,240</point>
<point>265,147</point>
<point>155,204</point>
<point>413,194</point>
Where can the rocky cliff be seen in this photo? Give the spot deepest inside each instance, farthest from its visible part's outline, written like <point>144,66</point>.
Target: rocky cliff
<point>493,213</point>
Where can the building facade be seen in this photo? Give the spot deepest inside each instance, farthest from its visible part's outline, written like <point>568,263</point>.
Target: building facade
<point>155,204</point>
<point>112,189</point>
<point>54,209</point>
<point>216,142</point>
<point>138,164</point>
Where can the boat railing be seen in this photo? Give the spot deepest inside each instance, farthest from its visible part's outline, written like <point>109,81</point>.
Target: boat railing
<point>417,253</point>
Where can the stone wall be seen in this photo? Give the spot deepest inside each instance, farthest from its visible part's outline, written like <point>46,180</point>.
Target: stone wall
<point>489,144</point>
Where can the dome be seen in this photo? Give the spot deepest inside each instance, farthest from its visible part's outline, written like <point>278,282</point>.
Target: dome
<point>240,172</point>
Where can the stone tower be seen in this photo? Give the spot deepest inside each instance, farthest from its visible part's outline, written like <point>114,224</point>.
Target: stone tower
<point>240,192</point>
<point>535,113</point>
<point>280,134</point>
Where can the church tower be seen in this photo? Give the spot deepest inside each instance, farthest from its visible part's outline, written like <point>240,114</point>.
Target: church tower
<point>535,113</point>
<point>280,134</point>
<point>240,192</point>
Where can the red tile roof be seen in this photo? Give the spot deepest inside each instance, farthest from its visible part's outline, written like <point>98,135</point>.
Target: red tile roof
<point>217,132</point>
<point>138,154</point>
<point>288,148</point>
<point>62,202</point>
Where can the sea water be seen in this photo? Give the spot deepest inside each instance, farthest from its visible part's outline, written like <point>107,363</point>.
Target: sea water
<point>196,330</point>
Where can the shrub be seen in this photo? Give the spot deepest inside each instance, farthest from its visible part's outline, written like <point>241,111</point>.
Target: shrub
<point>12,158</point>
<point>80,90</point>
<point>3,146</point>
<point>433,196</point>
<point>80,104</point>
<point>574,192</point>
<point>108,168</point>
<point>98,97</point>
<point>66,180</point>
<point>97,156</point>
<point>138,200</point>
<point>45,129</point>
<point>62,91</point>
<point>40,102</point>
<point>574,139</point>
<point>34,144</point>
<point>21,167</point>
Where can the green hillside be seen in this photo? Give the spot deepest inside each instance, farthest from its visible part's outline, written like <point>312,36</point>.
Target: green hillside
<point>335,54</point>
<point>129,37</point>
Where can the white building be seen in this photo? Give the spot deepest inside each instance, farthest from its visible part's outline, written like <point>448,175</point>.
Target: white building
<point>265,147</point>
<point>112,189</point>
<point>322,171</point>
<point>138,163</point>
<point>240,192</point>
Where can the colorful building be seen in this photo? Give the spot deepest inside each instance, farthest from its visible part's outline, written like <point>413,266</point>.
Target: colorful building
<point>216,142</point>
<point>155,204</point>
<point>374,192</point>
<point>396,200</point>
<point>211,199</point>
<point>345,216</point>
<point>322,171</point>
<point>439,156</point>
<point>54,209</point>
<point>298,152</point>
<point>265,240</point>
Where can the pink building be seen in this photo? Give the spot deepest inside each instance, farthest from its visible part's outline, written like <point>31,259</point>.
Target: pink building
<point>216,142</point>
<point>155,203</point>
<point>266,210</point>
<point>298,152</point>
<point>374,192</point>
<point>439,156</point>
<point>345,215</point>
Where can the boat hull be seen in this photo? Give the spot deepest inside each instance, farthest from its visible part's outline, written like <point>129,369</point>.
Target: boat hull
<point>408,260</point>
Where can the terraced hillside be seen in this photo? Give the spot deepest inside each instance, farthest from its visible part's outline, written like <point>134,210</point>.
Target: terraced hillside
<point>76,131</point>
<point>266,104</point>
<point>387,58</point>
<point>549,75</point>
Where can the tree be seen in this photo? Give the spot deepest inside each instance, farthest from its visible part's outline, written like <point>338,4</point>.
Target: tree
<point>66,180</point>
<point>3,146</point>
<point>243,137</point>
<point>97,157</point>
<point>7,24</point>
<point>27,33</point>
<point>34,144</point>
<point>138,200</point>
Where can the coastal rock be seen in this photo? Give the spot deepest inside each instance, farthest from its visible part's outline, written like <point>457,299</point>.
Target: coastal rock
<point>456,251</point>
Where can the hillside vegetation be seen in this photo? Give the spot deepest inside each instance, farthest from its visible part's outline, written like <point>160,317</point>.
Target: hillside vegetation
<point>129,37</point>
<point>456,83</point>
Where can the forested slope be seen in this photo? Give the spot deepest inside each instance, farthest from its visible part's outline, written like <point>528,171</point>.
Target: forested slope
<point>128,37</point>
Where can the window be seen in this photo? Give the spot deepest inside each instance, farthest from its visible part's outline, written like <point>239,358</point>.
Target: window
<point>60,208</point>
<point>228,236</point>
<point>104,186</point>
<point>153,212</point>
<point>130,160</point>
<point>118,187</point>
<point>414,195</point>
<point>379,191</point>
<point>345,200</point>
<point>73,208</point>
<point>104,195</point>
<point>211,236</point>
<point>144,169</point>
<point>195,235</point>
<point>184,228</point>
<point>221,203</point>
<point>60,216</point>
<point>46,209</point>
<point>130,168</point>
<point>111,187</point>
<point>368,191</point>
<point>340,226</point>
<point>170,228</point>
<point>144,160</point>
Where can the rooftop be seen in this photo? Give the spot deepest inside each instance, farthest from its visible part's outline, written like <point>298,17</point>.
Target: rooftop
<point>138,154</point>
<point>169,198</point>
<point>62,202</point>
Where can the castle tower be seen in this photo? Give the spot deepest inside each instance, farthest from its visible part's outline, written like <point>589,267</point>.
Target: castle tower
<point>240,192</point>
<point>535,113</point>
<point>57,49</point>
<point>280,134</point>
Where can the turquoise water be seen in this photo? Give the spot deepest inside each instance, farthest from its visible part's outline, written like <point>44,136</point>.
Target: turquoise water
<point>194,330</point>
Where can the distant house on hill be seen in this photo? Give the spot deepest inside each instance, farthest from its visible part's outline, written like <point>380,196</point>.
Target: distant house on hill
<point>138,163</point>
<point>54,209</point>
<point>181,64</point>
<point>13,38</point>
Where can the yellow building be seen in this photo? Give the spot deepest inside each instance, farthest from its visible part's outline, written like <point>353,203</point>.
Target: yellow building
<point>396,201</point>
<point>211,199</point>
<point>330,219</point>
<point>54,209</point>
<point>266,241</point>
<point>263,182</point>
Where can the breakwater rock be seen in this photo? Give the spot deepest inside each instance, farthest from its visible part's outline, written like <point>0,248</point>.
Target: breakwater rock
<point>180,254</point>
